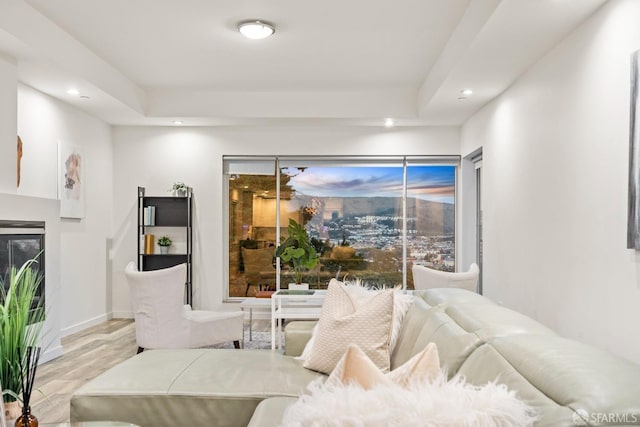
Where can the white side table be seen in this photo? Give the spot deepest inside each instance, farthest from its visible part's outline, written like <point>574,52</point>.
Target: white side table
<point>260,304</point>
<point>293,304</point>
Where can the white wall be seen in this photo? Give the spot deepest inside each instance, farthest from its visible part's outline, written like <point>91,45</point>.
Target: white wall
<point>555,153</point>
<point>156,157</point>
<point>84,268</point>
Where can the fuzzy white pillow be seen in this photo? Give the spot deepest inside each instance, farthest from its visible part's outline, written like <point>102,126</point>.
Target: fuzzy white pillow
<point>429,404</point>
<point>360,295</point>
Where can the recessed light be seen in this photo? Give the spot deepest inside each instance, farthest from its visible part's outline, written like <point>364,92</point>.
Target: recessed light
<point>256,29</point>
<point>389,123</point>
<point>73,91</point>
<point>178,122</point>
<point>466,92</point>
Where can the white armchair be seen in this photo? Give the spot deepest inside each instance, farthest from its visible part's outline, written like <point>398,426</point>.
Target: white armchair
<point>162,321</point>
<point>427,278</point>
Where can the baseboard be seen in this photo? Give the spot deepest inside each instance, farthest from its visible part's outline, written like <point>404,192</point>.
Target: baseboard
<point>121,314</point>
<point>83,325</point>
<point>50,354</point>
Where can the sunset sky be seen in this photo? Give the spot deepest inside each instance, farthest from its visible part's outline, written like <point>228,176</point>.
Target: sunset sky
<point>434,183</point>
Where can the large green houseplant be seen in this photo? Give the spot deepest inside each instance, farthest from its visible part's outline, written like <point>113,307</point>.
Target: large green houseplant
<point>20,324</point>
<point>297,250</point>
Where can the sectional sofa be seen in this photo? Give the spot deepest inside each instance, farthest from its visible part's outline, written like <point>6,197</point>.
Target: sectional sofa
<point>566,382</point>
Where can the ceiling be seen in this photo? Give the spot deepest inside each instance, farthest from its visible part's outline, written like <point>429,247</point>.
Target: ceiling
<point>150,62</point>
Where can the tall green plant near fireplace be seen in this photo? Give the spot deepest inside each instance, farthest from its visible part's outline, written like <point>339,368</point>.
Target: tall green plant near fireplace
<point>20,325</point>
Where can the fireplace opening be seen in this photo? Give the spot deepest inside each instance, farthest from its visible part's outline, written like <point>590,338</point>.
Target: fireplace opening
<point>21,241</point>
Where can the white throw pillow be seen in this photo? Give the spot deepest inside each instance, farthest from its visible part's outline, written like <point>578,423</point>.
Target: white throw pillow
<point>436,403</point>
<point>355,367</point>
<point>361,294</point>
<point>343,323</point>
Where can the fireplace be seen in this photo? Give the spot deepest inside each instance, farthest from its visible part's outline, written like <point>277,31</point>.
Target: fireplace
<point>21,241</point>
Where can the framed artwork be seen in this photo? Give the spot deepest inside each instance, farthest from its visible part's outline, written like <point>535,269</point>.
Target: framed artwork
<point>70,181</point>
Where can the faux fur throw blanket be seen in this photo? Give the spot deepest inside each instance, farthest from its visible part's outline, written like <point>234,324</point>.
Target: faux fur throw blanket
<point>441,403</point>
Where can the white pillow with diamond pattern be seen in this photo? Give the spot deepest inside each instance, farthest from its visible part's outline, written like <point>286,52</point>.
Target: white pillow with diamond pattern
<point>342,322</point>
<point>361,294</point>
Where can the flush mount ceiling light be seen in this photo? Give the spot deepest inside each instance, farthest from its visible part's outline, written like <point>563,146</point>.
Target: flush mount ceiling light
<point>178,122</point>
<point>389,123</point>
<point>256,29</point>
<point>466,92</point>
<point>73,92</point>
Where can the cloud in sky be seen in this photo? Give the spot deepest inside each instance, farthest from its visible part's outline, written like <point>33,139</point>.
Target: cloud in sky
<point>435,183</point>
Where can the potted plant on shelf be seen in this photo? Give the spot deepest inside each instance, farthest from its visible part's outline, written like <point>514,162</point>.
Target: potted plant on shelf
<point>179,189</point>
<point>20,324</point>
<point>297,251</point>
<point>164,242</point>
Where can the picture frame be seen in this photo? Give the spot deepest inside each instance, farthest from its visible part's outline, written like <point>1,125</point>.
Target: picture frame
<point>71,181</point>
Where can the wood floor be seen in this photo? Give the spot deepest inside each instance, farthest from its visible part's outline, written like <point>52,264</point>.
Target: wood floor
<point>86,355</point>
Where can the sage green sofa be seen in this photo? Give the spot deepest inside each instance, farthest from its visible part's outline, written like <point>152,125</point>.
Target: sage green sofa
<point>568,383</point>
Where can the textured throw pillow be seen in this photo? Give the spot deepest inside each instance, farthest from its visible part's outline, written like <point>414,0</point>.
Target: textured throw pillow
<point>360,295</point>
<point>342,323</point>
<point>356,368</point>
<point>415,394</point>
<point>439,403</point>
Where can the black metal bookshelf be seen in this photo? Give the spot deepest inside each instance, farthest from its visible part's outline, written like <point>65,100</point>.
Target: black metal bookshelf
<point>170,212</point>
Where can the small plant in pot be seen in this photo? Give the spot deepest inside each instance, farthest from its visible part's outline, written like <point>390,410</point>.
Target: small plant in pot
<point>179,189</point>
<point>20,324</point>
<point>298,251</point>
<point>164,242</point>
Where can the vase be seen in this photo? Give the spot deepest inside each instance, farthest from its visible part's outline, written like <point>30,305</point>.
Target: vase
<point>181,193</point>
<point>26,419</point>
<point>12,410</point>
<point>164,250</point>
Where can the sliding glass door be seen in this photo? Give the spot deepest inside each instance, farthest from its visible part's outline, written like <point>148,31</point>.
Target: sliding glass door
<point>368,218</point>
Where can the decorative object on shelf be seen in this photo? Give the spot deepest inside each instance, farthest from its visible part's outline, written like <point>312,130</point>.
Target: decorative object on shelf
<point>149,244</point>
<point>179,189</point>
<point>164,242</point>
<point>28,369</point>
<point>297,250</point>
<point>20,324</point>
<point>71,186</point>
